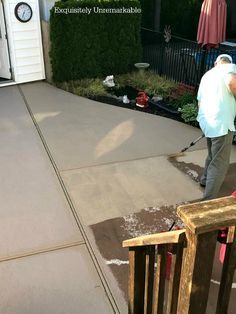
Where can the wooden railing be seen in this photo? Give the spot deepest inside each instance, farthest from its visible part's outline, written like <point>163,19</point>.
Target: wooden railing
<point>192,253</point>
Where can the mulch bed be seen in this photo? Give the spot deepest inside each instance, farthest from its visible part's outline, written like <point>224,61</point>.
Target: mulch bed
<point>159,108</point>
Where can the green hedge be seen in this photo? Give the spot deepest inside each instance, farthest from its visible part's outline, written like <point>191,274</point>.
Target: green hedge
<point>96,44</point>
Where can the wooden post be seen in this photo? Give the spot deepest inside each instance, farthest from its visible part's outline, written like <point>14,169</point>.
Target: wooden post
<point>136,286</point>
<point>227,277</point>
<point>196,272</point>
<point>203,221</point>
<point>149,279</point>
<point>159,287</point>
<point>173,288</point>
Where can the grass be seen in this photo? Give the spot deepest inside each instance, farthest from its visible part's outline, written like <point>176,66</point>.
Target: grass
<point>149,82</point>
<point>85,87</point>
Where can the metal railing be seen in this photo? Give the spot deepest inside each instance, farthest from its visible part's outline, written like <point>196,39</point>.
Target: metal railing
<point>179,59</point>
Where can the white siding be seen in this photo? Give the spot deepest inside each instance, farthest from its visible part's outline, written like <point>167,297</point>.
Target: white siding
<point>25,43</point>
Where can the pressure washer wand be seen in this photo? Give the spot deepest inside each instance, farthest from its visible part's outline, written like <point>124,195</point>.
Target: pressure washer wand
<point>193,143</point>
<point>186,148</point>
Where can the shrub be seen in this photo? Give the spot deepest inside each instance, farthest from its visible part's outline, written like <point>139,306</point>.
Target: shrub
<point>189,113</point>
<point>96,44</point>
<point>182,100</point>
<point>149,82</point>
<point>84,87</point>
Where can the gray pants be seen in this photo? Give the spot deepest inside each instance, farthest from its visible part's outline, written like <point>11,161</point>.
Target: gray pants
<point>216,165</point>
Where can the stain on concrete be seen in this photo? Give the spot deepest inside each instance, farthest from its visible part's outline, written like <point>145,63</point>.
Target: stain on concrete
<point>190,169</point>
<point>109,235</point>
<point>195,171</point>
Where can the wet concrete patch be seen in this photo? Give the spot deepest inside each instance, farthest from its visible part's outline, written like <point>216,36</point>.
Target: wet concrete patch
<point>195,171</point>
<point>109,235</point>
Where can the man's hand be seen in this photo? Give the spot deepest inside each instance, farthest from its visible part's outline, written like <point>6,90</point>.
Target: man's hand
<point>230,81</point>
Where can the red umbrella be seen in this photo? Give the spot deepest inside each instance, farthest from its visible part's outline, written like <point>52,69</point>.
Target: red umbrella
<point>212,23</point>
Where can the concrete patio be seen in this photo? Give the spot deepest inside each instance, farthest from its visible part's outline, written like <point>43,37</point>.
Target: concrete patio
<point>67,164</point>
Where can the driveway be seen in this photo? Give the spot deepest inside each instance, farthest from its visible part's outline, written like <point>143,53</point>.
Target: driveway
<point>79,177</point>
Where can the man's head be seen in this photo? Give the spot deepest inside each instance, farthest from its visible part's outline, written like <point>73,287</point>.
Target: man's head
<point>224,58</point>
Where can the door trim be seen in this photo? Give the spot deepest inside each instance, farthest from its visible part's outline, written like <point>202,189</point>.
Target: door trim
<point>6,44</point>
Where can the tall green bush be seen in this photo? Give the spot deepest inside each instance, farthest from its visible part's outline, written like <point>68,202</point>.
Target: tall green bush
<point>93,45</point>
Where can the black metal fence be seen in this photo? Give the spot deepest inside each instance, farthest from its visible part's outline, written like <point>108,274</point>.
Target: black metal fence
<point>179,59</point>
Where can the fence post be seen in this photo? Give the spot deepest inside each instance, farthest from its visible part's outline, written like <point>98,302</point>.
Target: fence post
<point>157,13</point>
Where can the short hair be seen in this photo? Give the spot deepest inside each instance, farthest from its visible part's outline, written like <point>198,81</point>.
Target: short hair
<point>225,58</point>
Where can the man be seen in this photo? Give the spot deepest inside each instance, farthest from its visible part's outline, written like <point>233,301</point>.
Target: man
<point>216,114</point>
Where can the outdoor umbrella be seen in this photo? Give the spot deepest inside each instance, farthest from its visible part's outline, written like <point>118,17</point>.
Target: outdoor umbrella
<point>211,31</point>
<point>212,23</point>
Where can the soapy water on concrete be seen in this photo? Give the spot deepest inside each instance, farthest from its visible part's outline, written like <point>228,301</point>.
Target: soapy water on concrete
<point>152,209</point>
<point>117,262</point>
<point>130,225</point>
<point>167,221</point>
<point>192,173</point>
<point>135,227</point>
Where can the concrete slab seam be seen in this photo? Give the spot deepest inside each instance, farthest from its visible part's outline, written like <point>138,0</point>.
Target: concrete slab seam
<point>116,162</point>
<point>41,251</point>
<point>71,205</point>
